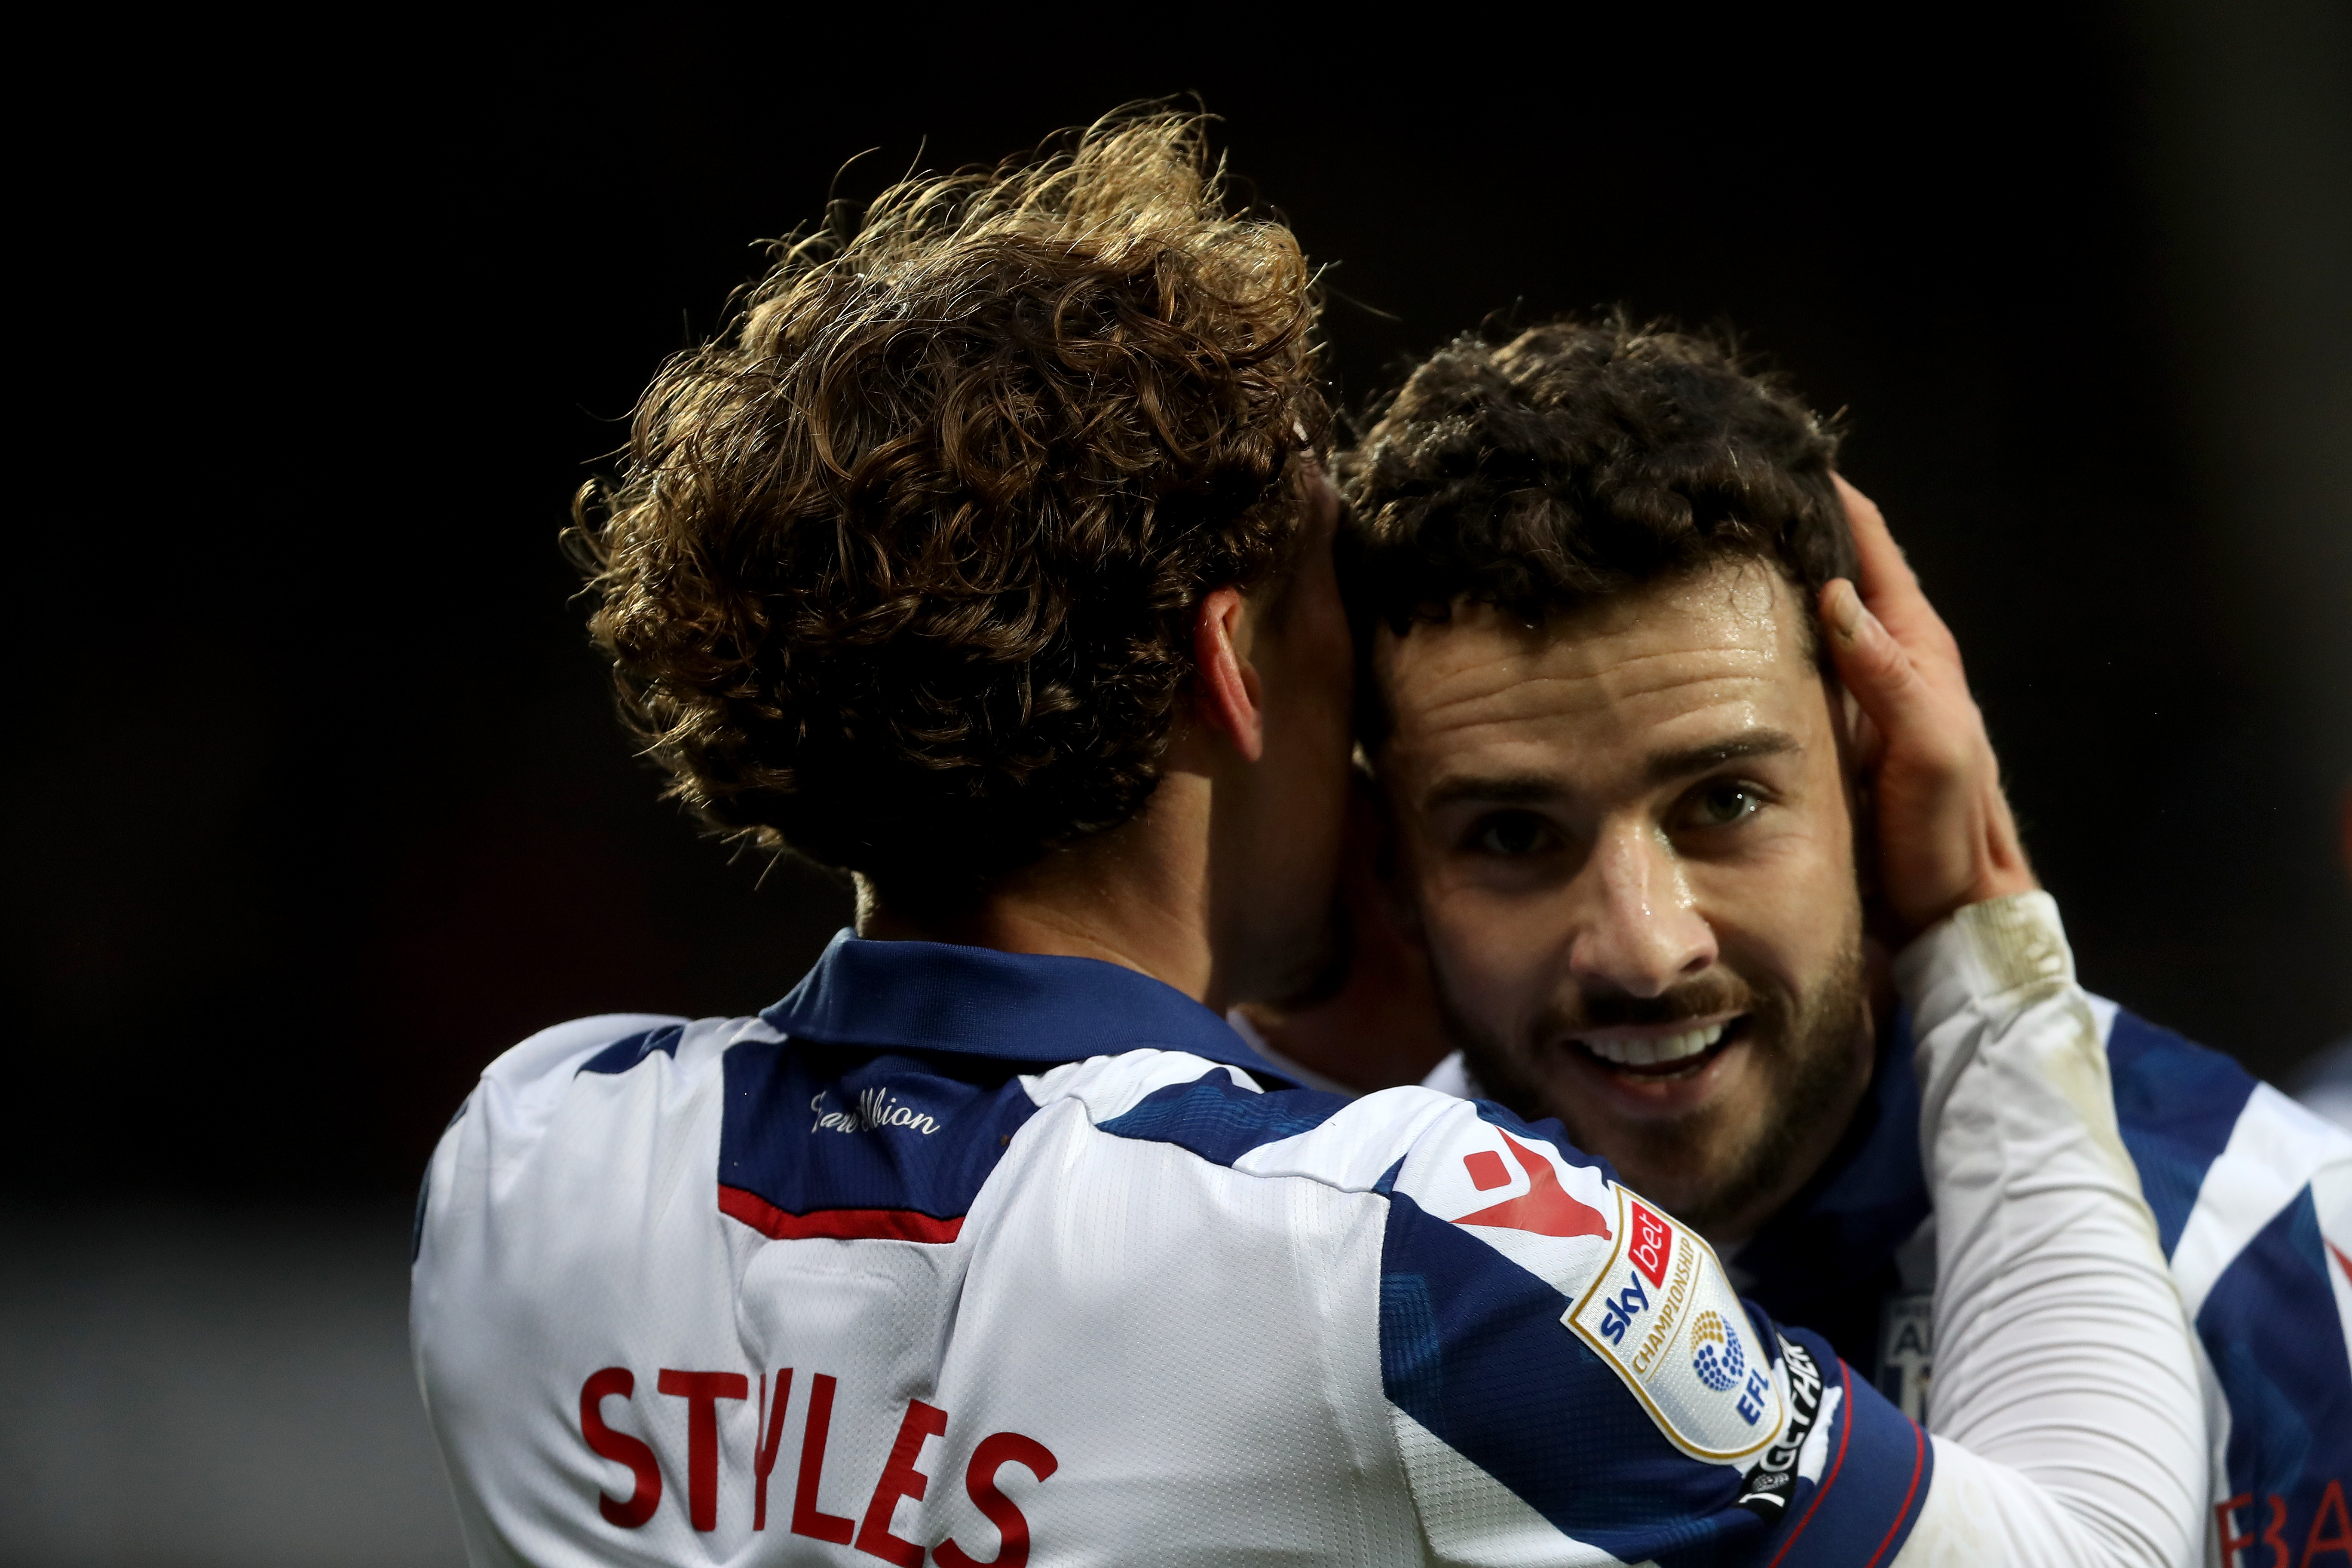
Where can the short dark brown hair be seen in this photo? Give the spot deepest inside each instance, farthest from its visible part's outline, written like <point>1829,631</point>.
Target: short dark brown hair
<point>900,570</point>
<point>1579,460</point>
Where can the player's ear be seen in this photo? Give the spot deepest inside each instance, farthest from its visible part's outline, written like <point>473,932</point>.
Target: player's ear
<point>1227,693</point>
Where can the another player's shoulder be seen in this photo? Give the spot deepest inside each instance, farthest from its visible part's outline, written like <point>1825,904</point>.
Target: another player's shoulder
<point>529,1088</point>
<point>2195,1103</point>
<point>2221,1156</point>
<point>1497,1233</point>
<point>2252,1198</point>
<point>2168,1087</point>
<point>557,1054</point>
<point>1258,1126</point>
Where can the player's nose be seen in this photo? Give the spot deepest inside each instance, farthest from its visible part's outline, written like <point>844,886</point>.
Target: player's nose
<point>1640,931</point>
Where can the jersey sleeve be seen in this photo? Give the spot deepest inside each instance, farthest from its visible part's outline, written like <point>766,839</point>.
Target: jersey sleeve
<point>1565,1371</point>
<point>1570,1373</point>
<point>2066,1405</point>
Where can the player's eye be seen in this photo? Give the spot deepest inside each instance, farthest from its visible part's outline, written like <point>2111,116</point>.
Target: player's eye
<point>1721,803</point>
<point>1510,834</point>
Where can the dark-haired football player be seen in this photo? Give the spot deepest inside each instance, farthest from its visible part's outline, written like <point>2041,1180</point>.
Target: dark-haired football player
<point>1637,817</point>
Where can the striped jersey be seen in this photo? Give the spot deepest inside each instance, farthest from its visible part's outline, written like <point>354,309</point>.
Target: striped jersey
<point>962,1256</point>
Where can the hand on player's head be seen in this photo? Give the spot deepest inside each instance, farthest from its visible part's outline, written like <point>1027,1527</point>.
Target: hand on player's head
<point>1945,834</point>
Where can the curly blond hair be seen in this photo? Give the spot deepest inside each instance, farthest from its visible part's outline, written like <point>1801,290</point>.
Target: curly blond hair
<point>898,570</point>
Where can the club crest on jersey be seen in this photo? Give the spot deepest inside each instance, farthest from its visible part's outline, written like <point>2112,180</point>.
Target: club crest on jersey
<point>1664,1316</point>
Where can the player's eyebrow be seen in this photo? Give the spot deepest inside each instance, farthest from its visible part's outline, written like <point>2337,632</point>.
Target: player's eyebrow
<point>1665,767</point>
<point>1499,789</point>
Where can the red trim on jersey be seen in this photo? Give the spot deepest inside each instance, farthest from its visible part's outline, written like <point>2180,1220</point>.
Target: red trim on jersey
<point>1918,1462</point>
<point>845,1224</point>
<point>1845,1430</point>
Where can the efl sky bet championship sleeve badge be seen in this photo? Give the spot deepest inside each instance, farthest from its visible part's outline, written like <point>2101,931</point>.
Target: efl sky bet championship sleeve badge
<point>1649,1296</point>
<point>1663,1313</point>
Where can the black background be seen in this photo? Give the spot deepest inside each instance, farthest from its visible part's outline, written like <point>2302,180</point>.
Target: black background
<point>318,802</point>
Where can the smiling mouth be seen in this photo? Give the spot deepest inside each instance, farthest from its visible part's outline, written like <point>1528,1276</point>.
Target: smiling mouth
<point>1665,1056</point>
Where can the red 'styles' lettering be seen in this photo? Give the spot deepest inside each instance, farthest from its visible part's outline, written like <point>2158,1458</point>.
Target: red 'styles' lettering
<point>702,1391</point>
<point>619,1447</point>
<point>2339,1537</point>
<point>900,1479</point>
<point>1653,1243</point>
<point>993,1454</point>
<point>768,1434</point>
<point>806,1518</point>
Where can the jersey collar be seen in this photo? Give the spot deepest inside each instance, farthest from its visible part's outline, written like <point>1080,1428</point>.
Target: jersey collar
<point>1868,1197</point>
<point>1008,1006</point>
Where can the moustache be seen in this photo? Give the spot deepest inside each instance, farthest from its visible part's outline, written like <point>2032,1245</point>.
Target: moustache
<point>1710,998</point>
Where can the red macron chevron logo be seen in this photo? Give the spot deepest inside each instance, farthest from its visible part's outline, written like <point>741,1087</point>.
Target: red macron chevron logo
<point>1543,1209</point>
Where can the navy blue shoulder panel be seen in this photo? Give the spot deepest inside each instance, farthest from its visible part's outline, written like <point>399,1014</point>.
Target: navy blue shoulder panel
<point>1472,1347</point>
<point>1218,1119</point>
<point>856,1143</point>
<point>630,1049</point>
<point>2176,1103</point>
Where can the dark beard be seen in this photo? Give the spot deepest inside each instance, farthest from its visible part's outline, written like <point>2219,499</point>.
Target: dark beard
<point>1808,1044</point>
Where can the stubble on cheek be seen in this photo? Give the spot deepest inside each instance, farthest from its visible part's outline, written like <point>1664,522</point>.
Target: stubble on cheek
<point>1707,1165</point>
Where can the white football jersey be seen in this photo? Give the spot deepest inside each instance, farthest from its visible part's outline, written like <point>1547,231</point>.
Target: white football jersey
<point>967,1257</point>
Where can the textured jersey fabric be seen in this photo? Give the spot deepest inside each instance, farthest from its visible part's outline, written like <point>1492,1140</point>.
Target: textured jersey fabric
<point>966,1258</point>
